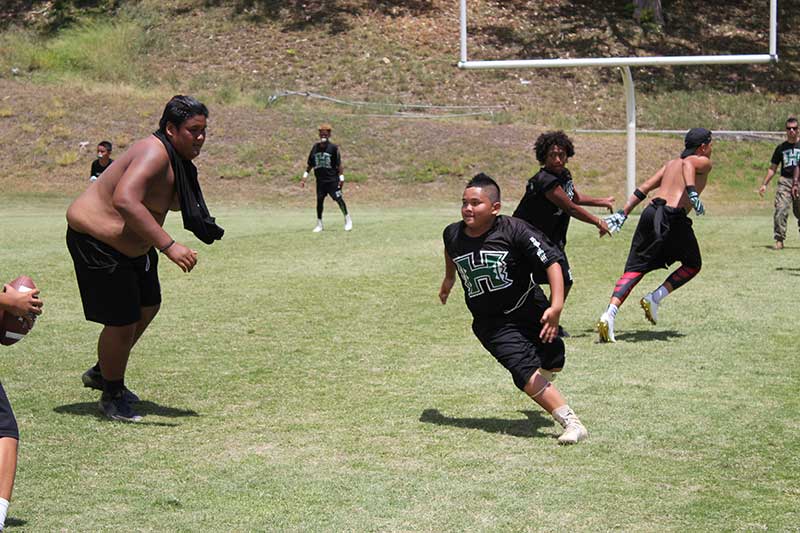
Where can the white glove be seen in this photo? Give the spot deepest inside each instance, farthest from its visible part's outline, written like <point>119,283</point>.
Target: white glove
<point>615,221</point>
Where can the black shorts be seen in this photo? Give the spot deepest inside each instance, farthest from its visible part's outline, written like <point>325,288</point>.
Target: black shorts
<point>8,423</point>
<point>516,345</point>
<point>663,235</point>
<point>328,187</point>
<point>113,286</point>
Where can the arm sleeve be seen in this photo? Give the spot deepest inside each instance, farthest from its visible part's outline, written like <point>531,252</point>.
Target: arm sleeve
<point>536,247</point>
<point>777,156</point>
<point>545,181</point>
<point>310,162</point>
<point>448,237</point>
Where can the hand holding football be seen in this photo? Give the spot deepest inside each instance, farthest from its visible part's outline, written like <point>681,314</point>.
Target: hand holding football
<point>14,328</point>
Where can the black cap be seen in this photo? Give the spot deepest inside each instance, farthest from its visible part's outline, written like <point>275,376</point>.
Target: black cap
<point>694,138</point>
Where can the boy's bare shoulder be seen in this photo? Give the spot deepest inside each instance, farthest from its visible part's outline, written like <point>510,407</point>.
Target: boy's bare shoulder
<point>148,149</point>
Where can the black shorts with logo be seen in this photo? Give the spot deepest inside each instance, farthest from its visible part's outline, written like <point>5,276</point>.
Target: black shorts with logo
<point>113,286</point>
<point>515,343</point>
<point>8,423</point>
<point>328,188</point>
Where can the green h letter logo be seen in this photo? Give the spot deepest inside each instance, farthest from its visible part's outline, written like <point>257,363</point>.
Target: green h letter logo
<point>491,273</point>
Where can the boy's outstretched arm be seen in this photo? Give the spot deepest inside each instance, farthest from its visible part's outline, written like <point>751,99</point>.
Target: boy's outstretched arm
<point>449,278</point>
<point>557,196</point>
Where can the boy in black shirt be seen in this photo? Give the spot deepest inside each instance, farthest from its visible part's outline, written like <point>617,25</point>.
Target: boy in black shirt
<point>329,171</point>
<point>497,258</point>
<point>102,161</point>
<point>787,155</point>
<point>551,198</point>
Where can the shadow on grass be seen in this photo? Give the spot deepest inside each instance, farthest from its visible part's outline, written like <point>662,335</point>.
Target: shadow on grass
<point>517,428</point>
<point>649,335</point>
<point>771,247</point>
<point>15,522</point>
<point>143,408</point>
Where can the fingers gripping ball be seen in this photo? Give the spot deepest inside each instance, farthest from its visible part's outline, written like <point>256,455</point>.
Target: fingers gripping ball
<point>14,328</point>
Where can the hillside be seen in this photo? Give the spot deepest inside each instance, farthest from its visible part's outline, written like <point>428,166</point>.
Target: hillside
<point>104,68</point>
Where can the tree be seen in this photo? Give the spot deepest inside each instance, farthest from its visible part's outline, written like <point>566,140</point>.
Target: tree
<point>648,11</point>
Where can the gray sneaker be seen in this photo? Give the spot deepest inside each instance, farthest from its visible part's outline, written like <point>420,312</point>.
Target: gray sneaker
<point>92,379</point>
<point>117,408</point>
<point>574,430</point>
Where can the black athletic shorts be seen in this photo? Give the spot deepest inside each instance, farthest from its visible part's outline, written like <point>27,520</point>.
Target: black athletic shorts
<point>328,187</point>
<point>663,235</point>
<point>516,345</point>
<point>8,423</point>
<point>113,286</point>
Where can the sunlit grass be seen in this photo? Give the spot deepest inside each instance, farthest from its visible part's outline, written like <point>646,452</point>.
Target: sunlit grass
<point>298,381</point>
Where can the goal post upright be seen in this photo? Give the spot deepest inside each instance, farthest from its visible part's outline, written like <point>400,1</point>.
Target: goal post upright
<point>625,63</point>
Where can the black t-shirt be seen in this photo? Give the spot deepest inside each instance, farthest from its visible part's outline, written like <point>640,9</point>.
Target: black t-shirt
<point>496,269</point>
<point>325,161</point>
<point>98,169</point>
<point>787,155</point>
<point>543,214</point>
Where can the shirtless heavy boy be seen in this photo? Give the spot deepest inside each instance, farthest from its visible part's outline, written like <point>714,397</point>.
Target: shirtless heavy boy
<point>115,235</point>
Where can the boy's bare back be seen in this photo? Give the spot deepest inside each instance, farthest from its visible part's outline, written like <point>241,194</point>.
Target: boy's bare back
<point>143,172</point>
<point>677,174</point>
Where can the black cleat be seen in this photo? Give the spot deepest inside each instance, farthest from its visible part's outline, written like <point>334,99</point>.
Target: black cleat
<point>92,379</point>
<point>117,408</point>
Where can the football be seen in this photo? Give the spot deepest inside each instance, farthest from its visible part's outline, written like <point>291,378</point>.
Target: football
<point>14,328</point>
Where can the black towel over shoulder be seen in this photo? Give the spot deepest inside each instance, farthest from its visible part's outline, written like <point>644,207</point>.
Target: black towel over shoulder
<point>196,217</point>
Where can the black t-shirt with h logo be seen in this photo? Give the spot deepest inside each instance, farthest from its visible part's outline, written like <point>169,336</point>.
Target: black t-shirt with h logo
<point>787,155</point>
<point>325,160</point>
<point>497,268</point>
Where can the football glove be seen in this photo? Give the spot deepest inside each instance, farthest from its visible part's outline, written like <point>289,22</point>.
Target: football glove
<point>694,197</point>
<point>615,221</point>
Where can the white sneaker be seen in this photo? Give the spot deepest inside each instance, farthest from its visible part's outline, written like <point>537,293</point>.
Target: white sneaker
<point>650,308</point>
<point>348,223</point>
<point>574,430</point>
<point>605,327</point>
<point>573,433</point>
<point>318,227</point>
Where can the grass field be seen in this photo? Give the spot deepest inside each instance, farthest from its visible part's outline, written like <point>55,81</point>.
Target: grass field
<point>304,382</point>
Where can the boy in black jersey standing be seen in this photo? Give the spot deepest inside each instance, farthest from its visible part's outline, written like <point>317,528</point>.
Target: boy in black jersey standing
<point>102,161</point>
<point>497,258</point>
<point>551,199</point>
<point>326,161</point>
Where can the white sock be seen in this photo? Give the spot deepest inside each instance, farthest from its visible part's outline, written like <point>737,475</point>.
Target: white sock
<point>3,511</point>
<point>563,415</point>
<point>659,294</point>
<point>612,310</point>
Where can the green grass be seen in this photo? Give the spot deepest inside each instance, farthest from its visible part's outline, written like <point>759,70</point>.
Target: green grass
<point>312,382</point>
<point>100,49</point>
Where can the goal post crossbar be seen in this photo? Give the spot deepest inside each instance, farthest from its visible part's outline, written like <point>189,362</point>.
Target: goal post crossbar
<point>625,63</point>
